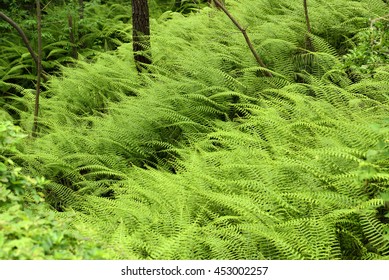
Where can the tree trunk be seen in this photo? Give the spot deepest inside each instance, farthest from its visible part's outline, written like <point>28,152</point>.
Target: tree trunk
<point>81,8</point>
<point>39,68</point>
<point>308,40</point>
<point>71,37</point>
<point>141,33</point>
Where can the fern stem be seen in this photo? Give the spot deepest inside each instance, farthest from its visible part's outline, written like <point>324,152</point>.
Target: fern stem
<point>243,30</point>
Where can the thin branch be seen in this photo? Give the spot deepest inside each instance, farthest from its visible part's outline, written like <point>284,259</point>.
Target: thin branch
<point>71,37</point>
<point>373,21</point>
<point>81,8</point>
<point>308,40</point>
<point>39,68</point>
<point>307,16</point>
<point>44,7</point>
<point>21,33</point>
<point>243,30</point>
<point>25,40</point>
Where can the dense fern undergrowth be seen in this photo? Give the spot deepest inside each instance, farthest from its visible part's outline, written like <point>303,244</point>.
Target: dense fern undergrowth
<point>203,157</point>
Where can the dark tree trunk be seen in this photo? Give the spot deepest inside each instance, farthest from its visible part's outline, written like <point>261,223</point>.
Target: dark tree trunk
<point>141,33</point>
<point>39,68</point>
<point>308,40</point>
<point>71,37</point>
<point>81,8</point>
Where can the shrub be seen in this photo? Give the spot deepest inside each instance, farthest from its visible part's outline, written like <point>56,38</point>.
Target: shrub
<point>28,228</point>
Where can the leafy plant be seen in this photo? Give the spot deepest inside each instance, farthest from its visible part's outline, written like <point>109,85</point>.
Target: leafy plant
<point>371,50</point>
<point>204,157</point>
<point>28,229</point>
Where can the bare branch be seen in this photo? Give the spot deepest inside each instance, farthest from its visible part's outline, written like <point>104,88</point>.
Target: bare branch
<point>308,40</point>
<point>21,33</point>
<point>243,30</point>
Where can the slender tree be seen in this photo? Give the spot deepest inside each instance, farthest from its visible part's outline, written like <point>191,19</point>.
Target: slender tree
<point>220,6</point>
<point>211,3</point>
<point>72,37</point>
<point>308,40</point>
<point>39,68</point>
<point>81,8</point>
<point>141,33</point>
<point>22,34</point>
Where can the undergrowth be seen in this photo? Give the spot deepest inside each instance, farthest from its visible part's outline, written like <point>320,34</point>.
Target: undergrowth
<point>202,157</point>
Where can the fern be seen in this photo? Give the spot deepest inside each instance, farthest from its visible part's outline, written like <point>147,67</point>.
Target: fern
<point>204,158</point>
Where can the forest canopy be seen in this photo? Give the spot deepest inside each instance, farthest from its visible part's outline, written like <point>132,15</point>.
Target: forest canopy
<point>176,129</point>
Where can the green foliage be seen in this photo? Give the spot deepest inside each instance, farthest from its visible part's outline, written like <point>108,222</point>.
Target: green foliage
<point>371,50</point>
<point>12,183</point>
<point>374,173</point>
<point>28,229</point>
<point>374,170</point>
<point>283,184</point>
<point>202,157</point>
